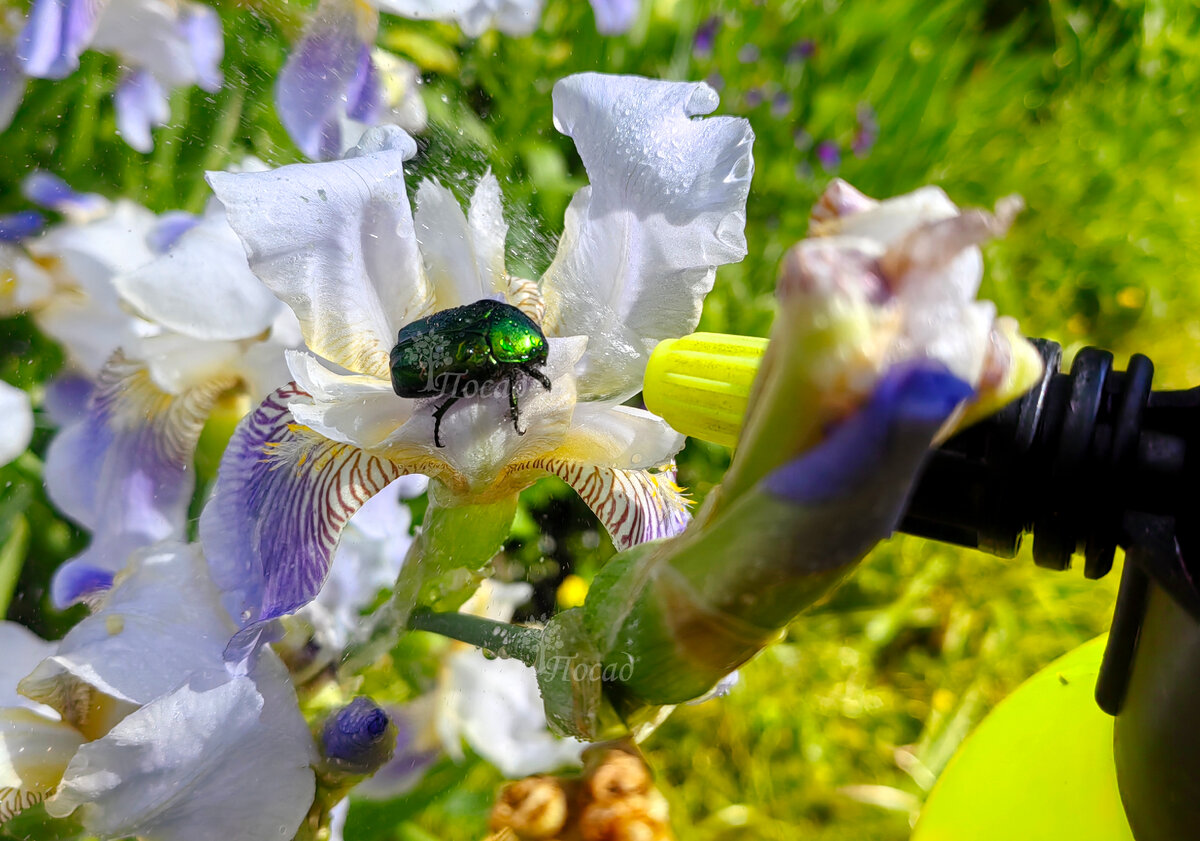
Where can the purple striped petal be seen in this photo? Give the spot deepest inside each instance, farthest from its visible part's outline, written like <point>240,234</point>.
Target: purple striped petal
<point>327,74</point>
<point>200,27</point>
<point>141,105</point>
<point>282,497</point>
<point>57,32</point>
<point>614,16</point>
<point>889,436</point>
<point>51,192</point>
<point>23,224</point>
<point>124,471</point>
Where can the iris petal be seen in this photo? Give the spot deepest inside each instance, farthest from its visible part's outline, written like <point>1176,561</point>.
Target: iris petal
<point>666,206</point>
<point>283,496</point>
<point>124,471</point>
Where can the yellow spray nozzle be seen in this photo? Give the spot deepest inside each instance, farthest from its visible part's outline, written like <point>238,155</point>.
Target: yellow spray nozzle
<point>700,384</point>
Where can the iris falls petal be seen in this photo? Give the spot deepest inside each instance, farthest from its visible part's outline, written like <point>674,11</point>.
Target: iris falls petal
<point>282,497</point>
<point>124,471</point>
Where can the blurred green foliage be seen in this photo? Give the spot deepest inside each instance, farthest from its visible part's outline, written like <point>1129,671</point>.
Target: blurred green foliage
<point>1084,108</point>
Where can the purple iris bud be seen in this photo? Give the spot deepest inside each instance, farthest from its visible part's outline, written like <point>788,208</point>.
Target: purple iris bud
<point>748,54</point>
<point>706,36</point>
<point>781,105</point>
<point>51,192</point>
<point>828,154</point>
<point>801,51</point>
<point>170,227</point>
<point>908,406</point>
<point>359,738</point>
<point>23,224</point>
<point>753,98</point>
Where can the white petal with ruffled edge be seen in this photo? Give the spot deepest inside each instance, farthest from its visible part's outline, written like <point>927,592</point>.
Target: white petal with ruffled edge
<point>34,752</point>
<point>16,422</point>
<point>202,286</point>
<point>218,758</point>
<point>335,242</point>
<point>666,206</point>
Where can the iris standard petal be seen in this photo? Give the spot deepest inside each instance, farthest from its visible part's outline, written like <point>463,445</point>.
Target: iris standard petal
<point>124,471</point>
<point>202,287</point>
<point>335,242</point>
<point>218,758</point>
<point>16,422</point>
<point>315,86</point>
<point>282,497</point>
<point>666,206</point>
<point>452,257</point>
<point>57,32</point>
<point>485,217</point>
<point>34,752</point>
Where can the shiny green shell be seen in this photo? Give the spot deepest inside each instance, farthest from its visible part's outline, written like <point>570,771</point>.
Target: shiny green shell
<point>472,343</point>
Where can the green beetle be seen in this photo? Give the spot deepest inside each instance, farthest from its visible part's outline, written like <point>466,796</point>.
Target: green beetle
<point>462,351</point>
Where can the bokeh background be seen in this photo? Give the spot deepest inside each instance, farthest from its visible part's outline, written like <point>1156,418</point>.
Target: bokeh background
<point>1084,108</point>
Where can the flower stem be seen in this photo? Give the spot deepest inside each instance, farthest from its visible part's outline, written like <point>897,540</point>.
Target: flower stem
<point>503,639</point>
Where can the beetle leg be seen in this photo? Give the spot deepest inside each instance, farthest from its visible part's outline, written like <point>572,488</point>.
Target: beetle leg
<point>512,402</point>
<point>438,413</point>
<point>537,375</point>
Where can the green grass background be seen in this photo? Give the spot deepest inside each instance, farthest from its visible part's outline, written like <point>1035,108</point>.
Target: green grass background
<point>1084,108</point>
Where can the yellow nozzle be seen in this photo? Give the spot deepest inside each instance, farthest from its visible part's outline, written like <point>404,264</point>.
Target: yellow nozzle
<point>700,384</point>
